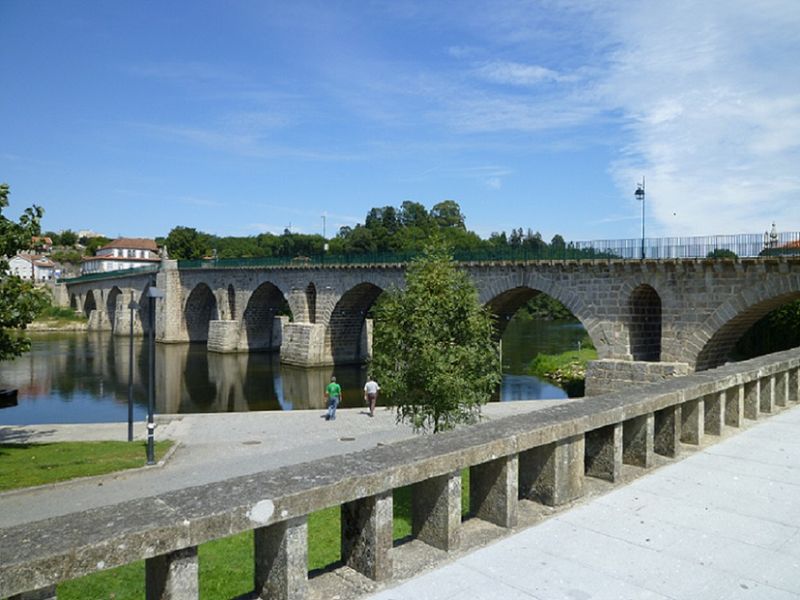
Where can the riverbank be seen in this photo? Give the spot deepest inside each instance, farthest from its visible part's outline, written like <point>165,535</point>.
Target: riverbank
<point>567,370</point>
<point>45,325</point>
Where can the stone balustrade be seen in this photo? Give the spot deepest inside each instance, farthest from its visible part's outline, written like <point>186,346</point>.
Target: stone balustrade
<point>549,456</point>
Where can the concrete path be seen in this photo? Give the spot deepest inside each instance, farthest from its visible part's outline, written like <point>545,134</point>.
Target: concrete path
<point>723,524</point>
<point>212,447</point>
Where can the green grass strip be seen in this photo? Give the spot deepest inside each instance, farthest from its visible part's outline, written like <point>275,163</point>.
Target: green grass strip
<point>26,465</point>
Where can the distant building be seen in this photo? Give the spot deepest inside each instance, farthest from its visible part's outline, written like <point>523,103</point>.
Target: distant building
<point>88,233</point>
<point>42,244</point>
<point>122,253</point>
<point>32,267</point>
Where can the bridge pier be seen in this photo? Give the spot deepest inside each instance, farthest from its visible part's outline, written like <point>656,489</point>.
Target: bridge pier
<point>303,345</point>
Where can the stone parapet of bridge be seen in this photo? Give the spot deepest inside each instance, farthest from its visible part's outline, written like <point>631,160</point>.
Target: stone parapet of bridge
<point>547,458</point>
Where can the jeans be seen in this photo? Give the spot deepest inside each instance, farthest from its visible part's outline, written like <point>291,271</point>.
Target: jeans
<point>333,402</point>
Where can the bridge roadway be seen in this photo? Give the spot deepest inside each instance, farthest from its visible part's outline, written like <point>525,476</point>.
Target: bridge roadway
<point>724,523</point>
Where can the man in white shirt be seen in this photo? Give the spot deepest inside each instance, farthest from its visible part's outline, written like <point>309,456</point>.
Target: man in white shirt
<point>371,394</point>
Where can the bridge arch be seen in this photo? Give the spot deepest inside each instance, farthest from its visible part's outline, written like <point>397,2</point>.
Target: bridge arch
<point>507,302</point>
<point>719,335</point>
<point>259,317</point>
<point>311,302</point>
<point>89,303</point>
<point>111,305</point>
<point>200,309</point>
<point>231,302</point>
<point>347,335</point>
<point>644,326</point>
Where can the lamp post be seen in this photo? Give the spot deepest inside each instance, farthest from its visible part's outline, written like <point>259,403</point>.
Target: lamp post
<point>152,293</point>
<point>324,238</point>
<point>133,306</point>
<point>639,194</point>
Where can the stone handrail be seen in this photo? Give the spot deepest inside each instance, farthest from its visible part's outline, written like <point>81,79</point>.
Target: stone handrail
<point>544,455</point>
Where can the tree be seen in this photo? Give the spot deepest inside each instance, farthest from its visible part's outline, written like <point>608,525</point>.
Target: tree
<point>20,301</point>
<point>722,253</point>
<point>448,214</point>
<point>187,243</point>
<point>68,238</point>
<point>434,351</point>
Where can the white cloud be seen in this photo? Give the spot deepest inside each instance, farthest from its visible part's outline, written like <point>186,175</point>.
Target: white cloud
<point>712,95</point>
<point>514,73</point>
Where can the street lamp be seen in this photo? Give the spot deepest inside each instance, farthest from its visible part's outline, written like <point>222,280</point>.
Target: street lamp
<point>152,293</point>
<point>639,194</point>
<point>134,306</point>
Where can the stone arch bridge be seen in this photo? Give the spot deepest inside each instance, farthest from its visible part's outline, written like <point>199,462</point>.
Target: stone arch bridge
<point>648,319</point>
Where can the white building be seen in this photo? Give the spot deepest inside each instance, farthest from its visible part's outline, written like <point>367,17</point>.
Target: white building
<point>32,267</point>
<point>122,253</point>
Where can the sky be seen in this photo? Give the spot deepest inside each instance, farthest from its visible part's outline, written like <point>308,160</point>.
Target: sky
<point>243,117</point>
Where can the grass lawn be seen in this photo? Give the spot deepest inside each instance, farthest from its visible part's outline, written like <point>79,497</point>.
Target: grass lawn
<point>25,465</point>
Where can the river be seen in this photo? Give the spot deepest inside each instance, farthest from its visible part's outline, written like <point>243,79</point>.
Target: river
<point>83,377</point>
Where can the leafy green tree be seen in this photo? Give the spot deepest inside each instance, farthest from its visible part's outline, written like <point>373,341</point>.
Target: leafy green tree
<point>68,238</point>
<point>187,243</point>
<point>448,214</point>
<point>92,244</point>
<point>434,352</point>
<point>55,237</point>
<point>20,301</point>
<point>722,253</point>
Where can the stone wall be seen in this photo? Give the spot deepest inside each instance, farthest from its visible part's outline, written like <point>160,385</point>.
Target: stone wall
<point>675,311</point>
<point>604,376</point>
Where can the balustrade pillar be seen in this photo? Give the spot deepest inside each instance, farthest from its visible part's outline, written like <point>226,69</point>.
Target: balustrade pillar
<point>667,431</point>
<point>794,385</point>
<point>436,511</point>
<point>281,560</point>
<point>367,535</point>
<point>48,593</point>
<point>767,394</point>
<point>752,399</point>
<point>781,381</point>
<point>714,413</point>
<point>637,441</point>
<point>494,490</point>
<point>553,474</point>
<point>603,458</point>
<point>692,421</point>
<point>734,406</point>
<point>172,576</point>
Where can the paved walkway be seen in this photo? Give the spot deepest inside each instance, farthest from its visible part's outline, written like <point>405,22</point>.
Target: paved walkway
<point>212,447</point>
<point>723,524</point>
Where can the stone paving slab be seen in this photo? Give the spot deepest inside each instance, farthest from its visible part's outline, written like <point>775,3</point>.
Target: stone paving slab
<point>693,529</point>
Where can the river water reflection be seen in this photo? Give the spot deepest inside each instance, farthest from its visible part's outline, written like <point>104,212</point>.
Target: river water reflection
<point>79,378</point>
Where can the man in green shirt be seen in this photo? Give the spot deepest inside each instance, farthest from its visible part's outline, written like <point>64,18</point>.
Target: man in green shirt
<point>333,393</point>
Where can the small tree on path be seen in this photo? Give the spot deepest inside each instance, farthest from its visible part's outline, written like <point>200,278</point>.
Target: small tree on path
<point>435,356</point>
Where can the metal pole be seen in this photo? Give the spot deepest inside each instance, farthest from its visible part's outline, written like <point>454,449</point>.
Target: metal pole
<point>643,201</point>
<point>130,375</point>
<point>151,383</point>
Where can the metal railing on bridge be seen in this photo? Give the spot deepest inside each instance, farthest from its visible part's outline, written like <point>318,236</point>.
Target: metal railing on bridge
<point>699,247</point>
<point>107,274</point>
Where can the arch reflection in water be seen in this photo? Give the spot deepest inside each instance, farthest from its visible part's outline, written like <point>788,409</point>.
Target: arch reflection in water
<point>192,380</point>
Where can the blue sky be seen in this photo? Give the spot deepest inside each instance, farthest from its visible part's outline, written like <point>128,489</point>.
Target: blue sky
<point>129,118</point>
